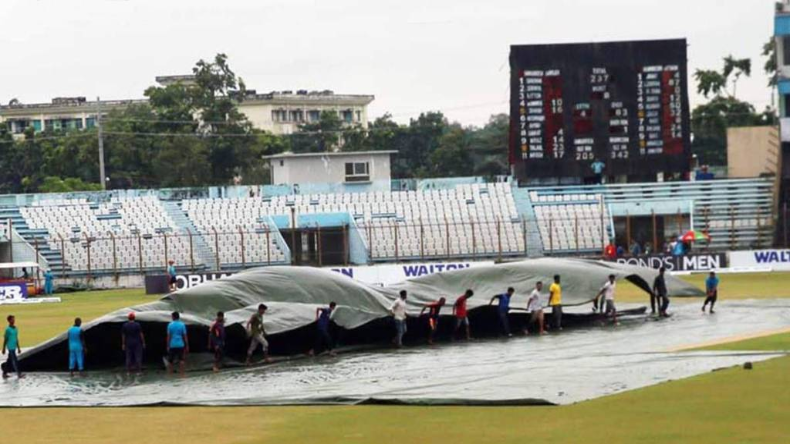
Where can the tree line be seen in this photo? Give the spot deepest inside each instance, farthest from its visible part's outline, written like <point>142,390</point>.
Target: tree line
<point>194,135</point>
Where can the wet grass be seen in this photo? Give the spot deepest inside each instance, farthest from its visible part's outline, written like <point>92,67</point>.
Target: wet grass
<point>39,322</point>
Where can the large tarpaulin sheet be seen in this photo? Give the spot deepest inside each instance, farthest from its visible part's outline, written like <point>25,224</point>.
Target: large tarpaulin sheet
<point>293,294</point>
<point>564,368</point>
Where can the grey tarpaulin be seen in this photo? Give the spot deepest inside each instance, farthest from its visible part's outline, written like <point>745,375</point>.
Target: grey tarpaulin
<point>293,294</point>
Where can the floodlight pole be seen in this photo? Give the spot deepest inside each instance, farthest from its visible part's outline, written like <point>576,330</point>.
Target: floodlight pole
<point>102,175</point>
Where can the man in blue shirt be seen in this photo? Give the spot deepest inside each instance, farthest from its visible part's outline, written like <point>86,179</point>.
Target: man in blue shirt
<point>171,275</point>
<point>712,289</point>
<point>177,344</point>
<point>133,343</point>
<point>503,308</point>
<point>323,317</point>
<point>11,343</point>
<point>597,169</point>
<point>77,347</point>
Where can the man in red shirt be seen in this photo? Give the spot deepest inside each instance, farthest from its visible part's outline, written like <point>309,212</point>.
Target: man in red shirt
<point>433,316</point>
<point>459,310</point>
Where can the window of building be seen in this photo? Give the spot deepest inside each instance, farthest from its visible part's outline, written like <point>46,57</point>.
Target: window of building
<point>313,115</point>
<point>357,171</point>
<point>297,115</point>
<point>359,115</point>
<point>280,115</point>
<point>347,116</point>
<point>90,122</point>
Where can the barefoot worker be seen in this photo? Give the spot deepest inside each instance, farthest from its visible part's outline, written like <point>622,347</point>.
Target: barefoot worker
<point>433,316</point>
<point>535,308</point>
<point>712,290</point>
<point>607,304</point>
<point>77,347</point>
<point>660,293</point>
<point>503,308</point>
<point>323,340</point>
<point>11,343</point>
<point>133,343</point>
<point>216,340</point>
<point>257,334</point>
<point>460,313</point>
<point>555,301</point>
<point>177,344</point>
<point>398,310</point>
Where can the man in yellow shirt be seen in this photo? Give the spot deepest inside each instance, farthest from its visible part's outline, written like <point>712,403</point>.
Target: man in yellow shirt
<point>555,302</point>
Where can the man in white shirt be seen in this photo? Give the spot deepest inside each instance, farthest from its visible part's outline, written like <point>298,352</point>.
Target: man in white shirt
<point>535,307</point>
<point>398,311</point>
<point>607,291</point>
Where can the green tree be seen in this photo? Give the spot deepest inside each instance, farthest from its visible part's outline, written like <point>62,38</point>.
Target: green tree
<point>452,158</point>
<point>709,121</point>
<point>318,137</point>
<point>54,184</point>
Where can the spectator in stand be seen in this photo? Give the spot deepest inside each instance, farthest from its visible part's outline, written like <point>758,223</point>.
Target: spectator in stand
<point>460,312</point>
<point>620,251</point>
<point>610,252</point>
<point>25,275</point>
<point>635,248</point>
<point>171,275</point>
<point>648,248</point>
<point>597,168</point>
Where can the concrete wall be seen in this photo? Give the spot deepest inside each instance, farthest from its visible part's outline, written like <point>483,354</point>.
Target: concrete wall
<point>327,169</point>
<point>752,151</point>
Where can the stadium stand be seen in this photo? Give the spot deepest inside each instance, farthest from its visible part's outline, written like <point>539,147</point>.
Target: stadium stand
<point>121,233</point>
<point>571,222</point>
<point>215,228</point>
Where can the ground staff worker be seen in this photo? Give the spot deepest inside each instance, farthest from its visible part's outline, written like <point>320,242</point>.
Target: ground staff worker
<point>555,302</point>
<point>712,290</point>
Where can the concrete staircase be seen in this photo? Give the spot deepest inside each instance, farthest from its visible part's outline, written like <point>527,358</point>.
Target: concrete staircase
<point>53,257</point>
<point>204,259</point>
<point>527,213</point>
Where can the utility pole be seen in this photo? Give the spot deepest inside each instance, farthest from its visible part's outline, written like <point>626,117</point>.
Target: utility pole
<point>102,176</point>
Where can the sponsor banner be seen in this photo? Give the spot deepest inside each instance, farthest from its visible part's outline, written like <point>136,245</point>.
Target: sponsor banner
<point>13,292</point>
<point>688,262</point>
<point>370,274</point>
<point>775,259</point>
<point>392,273</point>
<point>184,281</point>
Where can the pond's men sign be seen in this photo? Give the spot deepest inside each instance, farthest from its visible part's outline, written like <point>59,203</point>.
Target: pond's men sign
<point>689,262</point>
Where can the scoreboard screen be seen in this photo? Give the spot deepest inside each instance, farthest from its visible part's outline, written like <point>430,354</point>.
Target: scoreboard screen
<point>623,103</point>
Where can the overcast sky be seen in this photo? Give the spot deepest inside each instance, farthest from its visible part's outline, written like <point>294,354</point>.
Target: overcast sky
<point>448,55</point>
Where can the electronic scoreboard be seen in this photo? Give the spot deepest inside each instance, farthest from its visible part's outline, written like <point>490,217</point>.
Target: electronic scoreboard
<point>624,103</point>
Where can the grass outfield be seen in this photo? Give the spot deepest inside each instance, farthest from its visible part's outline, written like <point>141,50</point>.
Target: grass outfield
<point>40,322</point>
<point>731,405</point>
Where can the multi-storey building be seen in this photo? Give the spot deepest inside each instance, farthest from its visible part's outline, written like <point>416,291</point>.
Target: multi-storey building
<point>279,112</point>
